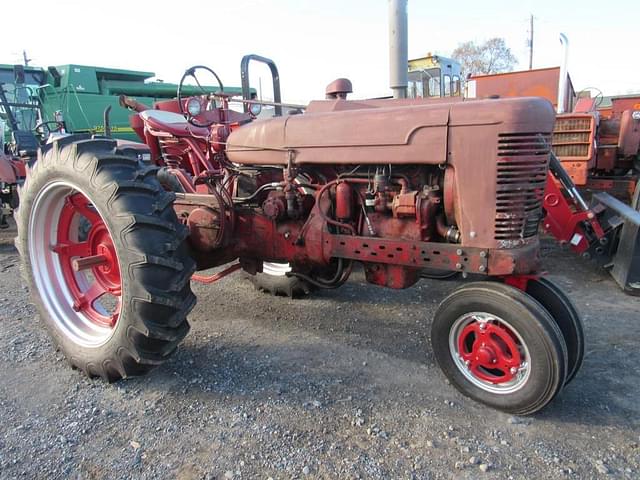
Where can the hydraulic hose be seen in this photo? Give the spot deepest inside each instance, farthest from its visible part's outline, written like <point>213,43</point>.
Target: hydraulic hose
<point>338,279</point>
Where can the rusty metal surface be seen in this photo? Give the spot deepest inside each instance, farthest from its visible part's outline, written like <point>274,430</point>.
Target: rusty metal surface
<point>481,216</point>
<point>479,136</point>
<point>418,136</point>
<point>622,188</point>
<point>620,104</point>
<point>629,138</point>
<point>339,88</point>
<point>409,253</point>
<point>7,170</point>
<point>541,82</point>
<point>574,144</point>
<point>606,158</point>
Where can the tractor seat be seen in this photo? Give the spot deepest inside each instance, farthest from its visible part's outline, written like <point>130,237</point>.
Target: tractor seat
<point>26,143</point>
<point>172,124</point>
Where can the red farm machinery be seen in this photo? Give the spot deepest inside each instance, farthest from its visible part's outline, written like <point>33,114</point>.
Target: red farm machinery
<point>591,199</point>
<point>110,238</point>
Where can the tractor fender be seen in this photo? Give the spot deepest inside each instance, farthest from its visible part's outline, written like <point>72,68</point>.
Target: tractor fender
<point>7,170</point>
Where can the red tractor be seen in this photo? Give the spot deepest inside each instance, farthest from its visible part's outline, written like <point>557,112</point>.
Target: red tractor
<point>110,241</point>
<point>596,152</point>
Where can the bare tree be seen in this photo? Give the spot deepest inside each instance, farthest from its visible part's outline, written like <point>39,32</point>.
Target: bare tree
<point>492,56</point>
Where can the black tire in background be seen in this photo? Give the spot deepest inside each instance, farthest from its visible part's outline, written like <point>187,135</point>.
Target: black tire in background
<point>635,201</point>
<point>273,280</point>
<point>154,265</point>
<point>437,274</point>
<point>526,322</point>
<point>565,314</point>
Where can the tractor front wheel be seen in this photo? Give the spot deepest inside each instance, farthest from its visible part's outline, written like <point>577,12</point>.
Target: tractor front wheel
<point>104,257</point>
<point>500,347</point>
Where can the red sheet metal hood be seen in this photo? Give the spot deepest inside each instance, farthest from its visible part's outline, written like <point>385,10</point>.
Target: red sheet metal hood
<point>379,132</point>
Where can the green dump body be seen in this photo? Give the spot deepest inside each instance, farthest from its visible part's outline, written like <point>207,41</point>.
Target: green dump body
<point>82,93</point>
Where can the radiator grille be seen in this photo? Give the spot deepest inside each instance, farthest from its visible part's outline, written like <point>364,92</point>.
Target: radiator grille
<point>564,124</point>
<point>523,160</point>
<point>572,136</point>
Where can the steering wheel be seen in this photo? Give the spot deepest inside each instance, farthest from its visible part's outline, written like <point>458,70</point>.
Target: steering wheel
<point>191,72</point>
<point>47,125</point>
<point>599,98</point>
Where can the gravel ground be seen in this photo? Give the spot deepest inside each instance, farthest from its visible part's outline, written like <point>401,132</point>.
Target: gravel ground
<point>339,385</point>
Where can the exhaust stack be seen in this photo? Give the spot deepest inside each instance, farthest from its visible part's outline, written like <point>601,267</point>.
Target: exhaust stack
<point>563,81</point>
<point>398,48</point>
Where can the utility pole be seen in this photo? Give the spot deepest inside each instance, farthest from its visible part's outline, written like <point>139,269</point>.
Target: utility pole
<point>25,58</point>
<point>531,42</point>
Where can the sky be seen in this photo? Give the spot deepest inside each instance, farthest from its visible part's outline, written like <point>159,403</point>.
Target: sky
<point>314,42</point>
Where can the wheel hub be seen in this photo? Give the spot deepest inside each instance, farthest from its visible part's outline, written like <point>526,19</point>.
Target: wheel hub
<point>107,272</point>
<point>486,356</point>
<point>489,352</point>
<point>88,261</point>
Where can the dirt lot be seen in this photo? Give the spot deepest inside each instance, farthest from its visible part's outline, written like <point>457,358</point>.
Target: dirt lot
<point>339,385</point>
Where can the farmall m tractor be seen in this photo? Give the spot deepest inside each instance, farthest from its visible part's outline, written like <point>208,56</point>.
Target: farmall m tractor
<point>110,243</point>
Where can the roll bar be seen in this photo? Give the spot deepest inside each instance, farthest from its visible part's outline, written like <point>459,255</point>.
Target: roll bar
<point>246,89</point>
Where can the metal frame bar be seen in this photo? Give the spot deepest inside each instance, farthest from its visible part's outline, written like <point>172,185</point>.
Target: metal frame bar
<point>246,88</point>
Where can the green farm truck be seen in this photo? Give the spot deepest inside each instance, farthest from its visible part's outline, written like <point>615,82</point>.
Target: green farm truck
<point>37,104</point>
<point>77,95</point>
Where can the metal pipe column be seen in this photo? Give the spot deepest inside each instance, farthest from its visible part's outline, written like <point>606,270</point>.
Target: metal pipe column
<point>563,80</point>
<point>398,48</point>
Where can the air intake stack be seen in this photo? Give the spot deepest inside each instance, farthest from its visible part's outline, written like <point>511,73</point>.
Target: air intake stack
<point>398,48</point>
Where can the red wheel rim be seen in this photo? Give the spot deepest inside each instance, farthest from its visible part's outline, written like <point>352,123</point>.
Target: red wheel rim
<point>489,352</point>
<point>88,261</point>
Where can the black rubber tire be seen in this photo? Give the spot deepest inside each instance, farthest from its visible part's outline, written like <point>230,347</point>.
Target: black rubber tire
<point>635,201</point>
<point>154,262</point>
<point>436,274</point>
<point>540,333</point>
<point>280,285</point>
<point>565,314</point>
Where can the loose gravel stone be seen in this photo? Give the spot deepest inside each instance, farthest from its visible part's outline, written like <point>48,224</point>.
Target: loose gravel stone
<point>263,387</point>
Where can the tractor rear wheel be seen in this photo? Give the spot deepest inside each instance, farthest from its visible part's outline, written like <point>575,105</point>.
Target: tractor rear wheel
<point>104,257</point>
<point>565,314</point>
<point>500,347</point>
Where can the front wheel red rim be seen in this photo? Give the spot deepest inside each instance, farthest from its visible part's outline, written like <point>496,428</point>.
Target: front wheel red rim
<point>490,352</point>
<point>75,264</point>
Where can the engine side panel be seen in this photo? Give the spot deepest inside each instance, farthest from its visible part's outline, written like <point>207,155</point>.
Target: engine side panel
<point>395,134</point>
